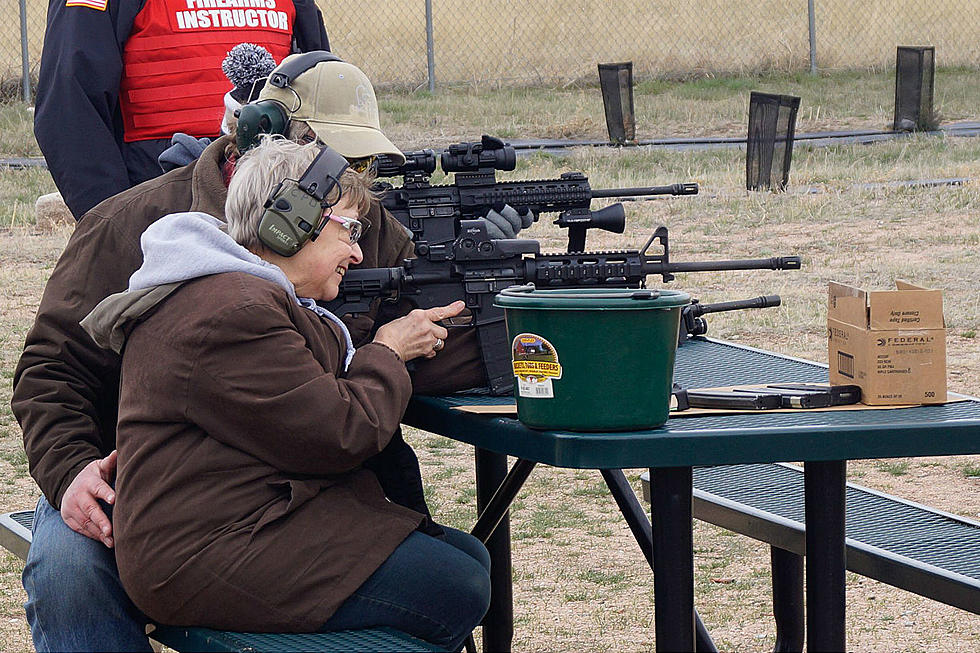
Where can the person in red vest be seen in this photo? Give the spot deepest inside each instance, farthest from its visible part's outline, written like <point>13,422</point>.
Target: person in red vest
<point>118,79</point>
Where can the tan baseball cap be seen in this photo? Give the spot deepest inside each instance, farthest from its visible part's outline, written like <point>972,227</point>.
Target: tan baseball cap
<point>337,101</point>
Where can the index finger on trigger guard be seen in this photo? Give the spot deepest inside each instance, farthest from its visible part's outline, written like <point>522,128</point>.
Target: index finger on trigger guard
<point>438,313</point>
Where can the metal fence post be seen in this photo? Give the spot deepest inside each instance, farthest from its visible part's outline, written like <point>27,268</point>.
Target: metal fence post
<point>812,20</point>
<point>24,54</point>
<point>430,54</point>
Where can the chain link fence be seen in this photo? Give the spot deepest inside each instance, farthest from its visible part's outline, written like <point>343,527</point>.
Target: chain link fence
<point>416,44</point>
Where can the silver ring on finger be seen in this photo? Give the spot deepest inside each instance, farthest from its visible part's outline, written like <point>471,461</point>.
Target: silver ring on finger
<point>440,343</point>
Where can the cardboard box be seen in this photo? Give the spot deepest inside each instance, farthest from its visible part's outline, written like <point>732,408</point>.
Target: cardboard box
<point>892,343</point>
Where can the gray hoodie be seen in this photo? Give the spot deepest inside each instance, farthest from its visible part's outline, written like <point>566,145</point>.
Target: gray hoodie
<point>178,248</point>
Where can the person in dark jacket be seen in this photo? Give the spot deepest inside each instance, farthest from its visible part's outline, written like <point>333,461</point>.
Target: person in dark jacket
<point>118,79</point>
<point>245,417</point>
<point>65,393</point>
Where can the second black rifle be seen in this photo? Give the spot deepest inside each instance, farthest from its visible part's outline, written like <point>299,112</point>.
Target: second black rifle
<point>433,213</point>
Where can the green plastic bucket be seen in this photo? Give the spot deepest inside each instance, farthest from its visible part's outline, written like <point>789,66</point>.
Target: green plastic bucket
<point>592,359</point>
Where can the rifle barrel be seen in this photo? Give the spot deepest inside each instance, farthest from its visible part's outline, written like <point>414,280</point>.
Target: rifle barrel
<point>765,301</point>
<point>671,189</point>
<point>774,263</point>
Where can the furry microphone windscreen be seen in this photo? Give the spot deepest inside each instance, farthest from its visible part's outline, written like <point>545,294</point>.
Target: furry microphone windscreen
<point>245,64</point>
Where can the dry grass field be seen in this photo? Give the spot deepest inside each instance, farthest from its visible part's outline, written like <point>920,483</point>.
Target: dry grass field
<point>557,42</point>
<point>580,581</point>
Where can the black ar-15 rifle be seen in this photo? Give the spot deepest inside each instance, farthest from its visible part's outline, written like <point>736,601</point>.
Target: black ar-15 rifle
<point>475,268</point>
<point>433,213</point>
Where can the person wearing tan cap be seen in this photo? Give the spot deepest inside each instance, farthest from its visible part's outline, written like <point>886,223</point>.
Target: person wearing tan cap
<point>346,118</point>
<point>66,388</point>
<point>334,99</point>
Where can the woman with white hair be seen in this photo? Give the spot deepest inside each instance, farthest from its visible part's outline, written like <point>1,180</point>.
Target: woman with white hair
<point>245,418</point>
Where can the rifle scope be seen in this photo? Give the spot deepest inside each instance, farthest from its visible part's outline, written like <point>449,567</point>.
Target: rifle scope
<point>419,161</point>
<point>489,153</point>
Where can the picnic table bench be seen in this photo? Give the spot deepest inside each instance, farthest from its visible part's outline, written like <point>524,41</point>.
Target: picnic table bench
<point>904,544</point>
<point>15,536</point>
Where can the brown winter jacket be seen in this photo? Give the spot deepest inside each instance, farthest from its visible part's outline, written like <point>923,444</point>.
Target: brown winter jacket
<point>241,503</point>
<point>66,387</point>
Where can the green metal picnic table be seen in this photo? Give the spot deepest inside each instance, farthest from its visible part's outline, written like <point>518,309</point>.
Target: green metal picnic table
<point>823,440</point>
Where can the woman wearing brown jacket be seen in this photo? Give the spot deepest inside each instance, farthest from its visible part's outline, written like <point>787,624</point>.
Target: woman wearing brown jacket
<point>245,415</point>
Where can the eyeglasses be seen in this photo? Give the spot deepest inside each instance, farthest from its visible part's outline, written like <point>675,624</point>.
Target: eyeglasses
<point>355,228</point>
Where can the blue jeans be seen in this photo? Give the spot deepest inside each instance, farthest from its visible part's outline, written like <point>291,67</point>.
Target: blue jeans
<point>433,589</point>
<point>75,601</point>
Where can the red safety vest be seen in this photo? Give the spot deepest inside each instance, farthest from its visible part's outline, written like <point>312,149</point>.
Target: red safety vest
<point>172,79</point>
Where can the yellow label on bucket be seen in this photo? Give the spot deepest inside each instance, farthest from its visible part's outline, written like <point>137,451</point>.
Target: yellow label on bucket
<point>535,364</point>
